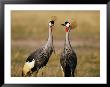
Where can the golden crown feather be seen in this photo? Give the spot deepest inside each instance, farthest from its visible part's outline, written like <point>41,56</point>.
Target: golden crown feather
<point>73,23</point>
<point>53,18</point>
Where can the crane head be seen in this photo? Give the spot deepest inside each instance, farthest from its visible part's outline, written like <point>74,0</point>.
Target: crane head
<point>70,24</point>
<point>51,23</point>
<point>67,25</point>
<point>52,20</point>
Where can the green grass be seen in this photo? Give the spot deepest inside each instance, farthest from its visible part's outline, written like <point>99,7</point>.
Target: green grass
<point>29,31</point>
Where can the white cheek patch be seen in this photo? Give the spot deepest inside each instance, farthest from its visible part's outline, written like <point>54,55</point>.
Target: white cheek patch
<point>50,24</point>
<point>28,66</point>
<point>67,25</point>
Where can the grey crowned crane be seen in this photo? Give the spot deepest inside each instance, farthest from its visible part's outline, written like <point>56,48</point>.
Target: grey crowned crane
<point>40,57</point>
<point>68,58</point>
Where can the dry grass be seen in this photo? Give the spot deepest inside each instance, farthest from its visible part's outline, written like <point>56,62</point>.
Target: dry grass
<point>30,31</point>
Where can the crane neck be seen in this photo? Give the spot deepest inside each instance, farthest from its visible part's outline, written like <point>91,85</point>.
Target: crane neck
<point>50,38</point>
<point>67,39</point>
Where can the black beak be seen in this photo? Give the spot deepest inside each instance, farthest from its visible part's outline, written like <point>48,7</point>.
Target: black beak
<point>63,24</point>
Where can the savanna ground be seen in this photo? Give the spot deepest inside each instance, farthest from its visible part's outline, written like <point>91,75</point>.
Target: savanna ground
<point>29,31</point>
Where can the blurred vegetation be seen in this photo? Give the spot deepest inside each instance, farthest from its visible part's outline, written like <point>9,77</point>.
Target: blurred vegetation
<point>29,31</point>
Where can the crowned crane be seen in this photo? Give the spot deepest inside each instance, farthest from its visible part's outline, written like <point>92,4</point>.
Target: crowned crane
<point>40,57</point>
<point>68,58</point>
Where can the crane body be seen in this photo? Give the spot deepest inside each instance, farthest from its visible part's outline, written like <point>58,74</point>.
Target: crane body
<point>39,58</point>
<point>68,58</point>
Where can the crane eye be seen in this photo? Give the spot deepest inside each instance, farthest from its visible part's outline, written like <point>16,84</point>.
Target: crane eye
<point>52,22</point>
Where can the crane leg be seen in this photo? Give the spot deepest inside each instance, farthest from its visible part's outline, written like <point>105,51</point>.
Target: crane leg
<point>72,74</point>
<point>62,71</point>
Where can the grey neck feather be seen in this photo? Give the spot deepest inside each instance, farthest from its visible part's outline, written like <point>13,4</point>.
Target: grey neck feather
<point>67,40</point>
<point>50,39</point>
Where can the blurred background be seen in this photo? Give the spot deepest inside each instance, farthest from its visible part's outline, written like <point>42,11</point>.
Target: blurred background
<point>29,31</point>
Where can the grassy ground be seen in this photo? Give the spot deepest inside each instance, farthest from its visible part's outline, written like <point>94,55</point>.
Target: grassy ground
<point>29,31</point>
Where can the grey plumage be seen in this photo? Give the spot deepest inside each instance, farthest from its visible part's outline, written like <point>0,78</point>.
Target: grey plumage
<point>68,61</point>
<point>68,58</point>
<point>40,57</point>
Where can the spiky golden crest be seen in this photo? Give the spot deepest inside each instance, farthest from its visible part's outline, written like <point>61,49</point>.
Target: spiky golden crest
<point>73,23</point>
<point>53,18</point>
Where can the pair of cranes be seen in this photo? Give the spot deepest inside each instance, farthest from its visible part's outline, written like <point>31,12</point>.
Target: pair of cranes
<point>40,57</point>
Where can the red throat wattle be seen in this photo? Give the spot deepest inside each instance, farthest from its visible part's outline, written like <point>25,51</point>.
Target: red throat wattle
<point>66,30</point>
